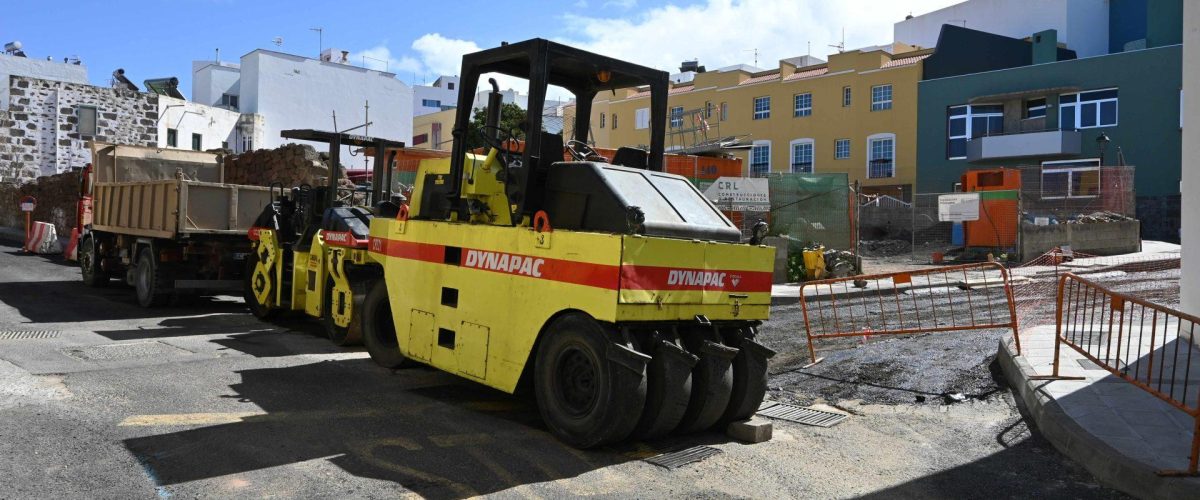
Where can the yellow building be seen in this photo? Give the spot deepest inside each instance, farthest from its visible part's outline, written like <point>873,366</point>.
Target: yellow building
<point>432,131</point>
<point>855,114</point>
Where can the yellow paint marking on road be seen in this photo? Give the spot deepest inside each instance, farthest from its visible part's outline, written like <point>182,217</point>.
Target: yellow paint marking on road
<point>501,473</point>
<point>188,419</point>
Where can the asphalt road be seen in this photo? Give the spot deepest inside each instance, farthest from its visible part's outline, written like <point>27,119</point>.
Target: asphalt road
<point>202,400</point>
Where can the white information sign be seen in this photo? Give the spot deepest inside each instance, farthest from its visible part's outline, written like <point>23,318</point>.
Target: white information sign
<point>740,194</point>
<point>958,207</point>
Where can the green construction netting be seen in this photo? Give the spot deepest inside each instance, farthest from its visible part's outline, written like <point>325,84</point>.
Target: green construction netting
<point>812,208</point>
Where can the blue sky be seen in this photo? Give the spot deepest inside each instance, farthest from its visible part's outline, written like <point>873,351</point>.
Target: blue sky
<point>159,38</point>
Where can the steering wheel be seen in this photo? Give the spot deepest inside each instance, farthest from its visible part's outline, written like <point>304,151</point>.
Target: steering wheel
<point>580,151</point>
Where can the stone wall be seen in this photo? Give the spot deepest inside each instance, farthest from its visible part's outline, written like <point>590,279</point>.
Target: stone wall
<point>57,197</point>
<point>39,134</point>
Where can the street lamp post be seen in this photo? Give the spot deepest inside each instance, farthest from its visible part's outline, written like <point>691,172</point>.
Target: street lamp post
<point>1102,143</point>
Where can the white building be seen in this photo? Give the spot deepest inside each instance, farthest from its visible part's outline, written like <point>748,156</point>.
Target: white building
<point>45,69</point>
<point>440,96</point>
<point>190,125</point>
<point>275,91</point>
<point>1081,24</point>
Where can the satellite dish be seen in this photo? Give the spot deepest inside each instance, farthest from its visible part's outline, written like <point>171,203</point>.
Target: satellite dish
<point>278,41</point>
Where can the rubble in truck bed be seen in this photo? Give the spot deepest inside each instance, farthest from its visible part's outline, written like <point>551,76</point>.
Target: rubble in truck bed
<point>290,165</point>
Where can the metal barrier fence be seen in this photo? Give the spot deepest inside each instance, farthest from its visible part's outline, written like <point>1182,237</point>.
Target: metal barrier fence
<point>1110,329</point>
<point>947,299</point>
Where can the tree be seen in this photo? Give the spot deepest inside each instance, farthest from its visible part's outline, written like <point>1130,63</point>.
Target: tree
<point>512,120</point>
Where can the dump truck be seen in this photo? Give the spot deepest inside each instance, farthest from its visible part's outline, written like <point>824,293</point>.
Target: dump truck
<point>310,241</point>
<point>618,296</point>
<point>164,222</point>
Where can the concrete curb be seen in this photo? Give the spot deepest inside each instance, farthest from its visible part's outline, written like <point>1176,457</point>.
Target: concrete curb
<point>1106,463</point>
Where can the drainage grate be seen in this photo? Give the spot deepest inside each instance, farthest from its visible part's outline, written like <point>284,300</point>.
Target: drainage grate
<point>113,352</point>
<point>800,415</point>
<point>26,335</point>
<point>677,459</point>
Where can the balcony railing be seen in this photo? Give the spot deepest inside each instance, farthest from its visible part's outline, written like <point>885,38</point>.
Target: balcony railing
<point>1024,144</point>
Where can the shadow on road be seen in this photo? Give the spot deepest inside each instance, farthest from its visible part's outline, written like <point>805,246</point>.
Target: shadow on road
<point>425,430</point>
<point>72,301</point>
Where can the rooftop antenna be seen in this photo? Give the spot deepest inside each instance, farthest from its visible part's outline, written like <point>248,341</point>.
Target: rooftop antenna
<point>963,21</point>
<point>320,40</point>
<point>842,45</point>
<point>278,41</point>
<point>755,51</point>
<point>386,64</point>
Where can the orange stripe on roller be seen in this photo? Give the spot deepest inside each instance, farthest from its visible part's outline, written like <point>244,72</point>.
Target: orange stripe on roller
<point>635,277</point>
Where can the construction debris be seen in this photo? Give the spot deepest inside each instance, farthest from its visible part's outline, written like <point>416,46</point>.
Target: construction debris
<point>290,165</point>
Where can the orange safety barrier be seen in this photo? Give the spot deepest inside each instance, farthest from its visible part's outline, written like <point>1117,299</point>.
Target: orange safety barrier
<point>946,299</point>
<point>1110,329</point>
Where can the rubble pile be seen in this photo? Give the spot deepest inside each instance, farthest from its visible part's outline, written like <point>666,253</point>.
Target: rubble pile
<point>1098,217</point>
<point>56,195</point>
<point>290,164</point>
<point>885,248</point>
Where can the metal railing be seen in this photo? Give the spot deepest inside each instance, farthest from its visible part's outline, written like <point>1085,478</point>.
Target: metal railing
<point>948,299</point>
<point>1110,329</point>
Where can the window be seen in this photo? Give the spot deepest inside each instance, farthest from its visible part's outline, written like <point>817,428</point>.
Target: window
<point>431,103</point>
<point>841,149</point>
<point>601,120</point>
<point>724,111</point>
<point>87,120</point>
<point>225,145</point>
<point>197,142</point>
<point>762,107</point>
<point>708,109</point>
<point>1097,108</point>
<point>881,156</point>
<point>229,101</point>
<point>1071,179</point>
<point>614,125</point>
<point>803,104</point>
<point>641,118</point>
<point>172,138</point>
<point>1035,108</point>
<point>802,156</point>
<point>760,159</point>
<point>881,97</point>
<point>247,143</point>
<point>970,122</point>
<point>449,85</point>
<point>845,96</point>
<point>676,116</point>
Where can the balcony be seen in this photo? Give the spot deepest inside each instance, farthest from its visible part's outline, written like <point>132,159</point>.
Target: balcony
<point>1024,144</point>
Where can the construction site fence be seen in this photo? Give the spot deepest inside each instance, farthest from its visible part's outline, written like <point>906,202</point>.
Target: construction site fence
<point>1148,345</point>
<point>938,239</point>
<point>969,297</point>
<point>1077,195</point>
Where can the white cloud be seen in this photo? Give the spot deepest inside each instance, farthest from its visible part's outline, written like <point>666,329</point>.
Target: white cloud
<point>621,4</point>
<point>725,32</point>
<point>380,58</point>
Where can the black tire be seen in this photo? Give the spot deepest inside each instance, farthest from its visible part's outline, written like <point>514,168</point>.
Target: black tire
<point>668,386</point>
<point>90,265</point>
<point>149,281</point>
<point>590,390</point>
<point>339,335</point>
<point>749,375</point>
<point>379,328</point>
<point>259,310</point>
<point>712,380</point>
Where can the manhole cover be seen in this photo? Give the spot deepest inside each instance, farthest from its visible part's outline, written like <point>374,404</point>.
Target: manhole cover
<point>32,334</point>
<point>677,459</point>
<point>114,352</point>
<point>800,415</point>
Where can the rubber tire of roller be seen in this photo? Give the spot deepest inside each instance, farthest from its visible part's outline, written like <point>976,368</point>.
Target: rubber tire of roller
<point>379,328</point>
<point>749,375</point>
<point>612,408</point>
<point>668,386</point>
<point>712,380</point>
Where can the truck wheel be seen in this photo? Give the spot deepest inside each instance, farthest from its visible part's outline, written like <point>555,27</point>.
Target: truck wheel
<point>90,266</point>
<point>259,310</point>
<point>342,335</point>
<point>379,328</point>
<point>669,385</point>
<point>590,390</point>
<point>148,281</point>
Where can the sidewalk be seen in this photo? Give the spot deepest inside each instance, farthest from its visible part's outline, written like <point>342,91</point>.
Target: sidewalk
<point>1119,432</point>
